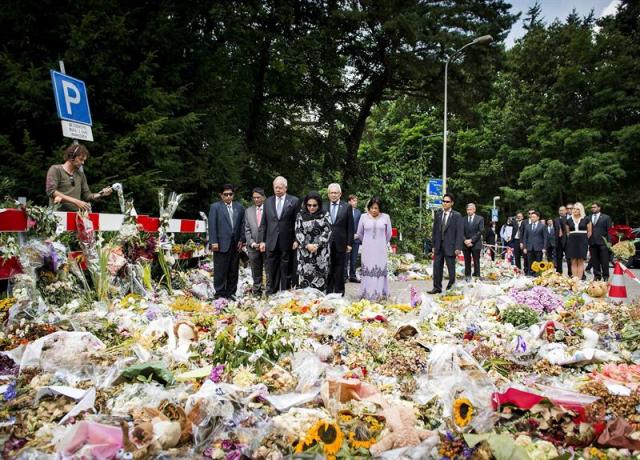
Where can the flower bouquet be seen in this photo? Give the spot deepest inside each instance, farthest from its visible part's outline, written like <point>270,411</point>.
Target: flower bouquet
<point>623,242</point>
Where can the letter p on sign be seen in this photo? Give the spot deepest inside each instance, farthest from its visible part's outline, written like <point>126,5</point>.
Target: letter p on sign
<point>71,98</point>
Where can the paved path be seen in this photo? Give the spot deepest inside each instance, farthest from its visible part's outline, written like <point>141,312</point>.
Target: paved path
<point>400,289</point>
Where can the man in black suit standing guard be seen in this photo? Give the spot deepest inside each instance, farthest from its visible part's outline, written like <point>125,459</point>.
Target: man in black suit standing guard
<point>226,238</point>
<point>601,223</point>
<point>534,241</point>
<point>277,233</point>
<point>561,238</point>
<point>447,237</point>
<point>473,228</point>
<point>341,239</point>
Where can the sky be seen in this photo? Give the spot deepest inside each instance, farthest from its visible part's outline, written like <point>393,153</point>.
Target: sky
<point>552,9</point>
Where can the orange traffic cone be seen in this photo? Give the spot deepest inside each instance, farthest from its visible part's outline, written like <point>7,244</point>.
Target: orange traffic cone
<point>617,290</point>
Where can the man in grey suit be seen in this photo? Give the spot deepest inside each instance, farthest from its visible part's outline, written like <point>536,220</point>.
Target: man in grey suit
<point>226,238</point>
<point>534,240</point>
<point>277,236</point>
<point>473,228</point>
<point>448,237</point>
<point>252,220</point>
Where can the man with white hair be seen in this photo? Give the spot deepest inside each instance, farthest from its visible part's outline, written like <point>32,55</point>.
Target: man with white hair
<point>341,238</point>
<point>277,233</point>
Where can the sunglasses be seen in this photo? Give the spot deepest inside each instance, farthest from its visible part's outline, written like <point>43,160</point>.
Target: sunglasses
<point>227,194</point>
<point>309,205</point>
<point>447,201</point>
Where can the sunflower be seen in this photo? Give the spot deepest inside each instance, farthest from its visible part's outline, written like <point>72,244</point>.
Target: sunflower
<point>544,266</point>
<point>462,411</point>
<point>361,436</point>
<point>329,434</point>
<point>302,444</point>
<point>536,266</point>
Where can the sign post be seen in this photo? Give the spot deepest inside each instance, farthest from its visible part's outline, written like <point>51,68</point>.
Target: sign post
<point>72,104</point>
<point>434,192</point>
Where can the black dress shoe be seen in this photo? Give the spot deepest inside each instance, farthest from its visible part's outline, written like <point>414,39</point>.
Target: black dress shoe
<point>354,280</point>
<point>434,291</point>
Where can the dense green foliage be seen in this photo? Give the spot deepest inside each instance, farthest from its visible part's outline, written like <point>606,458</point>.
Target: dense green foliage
<point>194,94</point>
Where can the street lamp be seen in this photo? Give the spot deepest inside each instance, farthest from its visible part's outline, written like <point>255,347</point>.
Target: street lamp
<point>484,40</point>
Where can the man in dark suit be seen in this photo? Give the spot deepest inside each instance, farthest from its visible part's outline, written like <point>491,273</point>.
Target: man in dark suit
<point>534,241</point>
<point>341,238</point>
<point>473,228</point>
<point>518,230</point>
<point>226,237</point>
<point>552,241</point>
<point>252,220</point>
<point>561,239</point>
<point>601,223</point>
<point>277,235</point>
<point>355,247</point>
<point>448,238</point>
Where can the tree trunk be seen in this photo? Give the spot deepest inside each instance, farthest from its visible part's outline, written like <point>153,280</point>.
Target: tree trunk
<point>257,101</point>
<point>352,141</point>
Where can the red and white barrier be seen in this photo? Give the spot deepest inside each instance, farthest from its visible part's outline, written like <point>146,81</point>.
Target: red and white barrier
<point>629,273</point>
<point>15,220</point>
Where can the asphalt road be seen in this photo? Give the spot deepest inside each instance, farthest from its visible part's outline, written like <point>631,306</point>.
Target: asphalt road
<point>400,289</point>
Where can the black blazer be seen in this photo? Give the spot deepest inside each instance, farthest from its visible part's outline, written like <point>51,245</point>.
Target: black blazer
<point>552,240</point>
<point>453,238</point>
<point>279,233</point>
<point>473,231</point>
<point>220,230</point>
<point>559,225</point>
<point>600,229</point>
<point>535,240</point>
<point>342,229</point>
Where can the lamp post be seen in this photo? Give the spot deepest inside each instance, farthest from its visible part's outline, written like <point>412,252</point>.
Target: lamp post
<point>483,40</point>
<point>494,210</point>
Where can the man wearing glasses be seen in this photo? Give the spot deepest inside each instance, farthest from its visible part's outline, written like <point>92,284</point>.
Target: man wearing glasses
<point>226,238</point>
<point>448,238</point>
<point>66,184</point>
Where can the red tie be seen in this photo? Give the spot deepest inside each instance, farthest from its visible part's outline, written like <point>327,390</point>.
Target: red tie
<point>259,215</point>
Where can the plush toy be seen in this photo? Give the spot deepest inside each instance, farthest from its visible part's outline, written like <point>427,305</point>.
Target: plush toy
<point>401,422</point>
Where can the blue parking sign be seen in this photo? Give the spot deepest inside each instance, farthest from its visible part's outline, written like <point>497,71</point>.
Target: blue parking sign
<point>434,191</point>
<point>71,98</point>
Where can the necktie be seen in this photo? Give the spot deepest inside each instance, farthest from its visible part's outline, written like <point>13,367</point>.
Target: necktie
<point>534,227</point>
<point>595,218</point>
<point>279,207</point>
<point>470,218</point>
<point>334,209</point>
<point>259,215</point>
<point>230,209</point>
<point>445,216</point>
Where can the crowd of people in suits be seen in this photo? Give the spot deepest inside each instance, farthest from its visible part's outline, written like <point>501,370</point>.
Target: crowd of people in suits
<point>299,243</point>
<point>573,236</point>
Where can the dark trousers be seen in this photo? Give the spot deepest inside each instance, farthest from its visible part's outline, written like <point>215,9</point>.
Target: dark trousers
<point>438,270</point>
<point>517,254</point>
<point>257,262</point>
<point>551,254</point>
<point>533,256</point>
<point>335,282</point>
<point>469,254</point>
<point>600,261</point>
<point>278,270</point>
<point>225,272</point>
<point>559,255</point>
<point>353,259</point>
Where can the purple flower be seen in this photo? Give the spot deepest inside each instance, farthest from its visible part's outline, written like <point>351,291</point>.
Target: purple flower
<point>540,299</point>
<point>521,345</point>
<point>216,373</point>
<point>220,304</point>
<point>233,455</point>
<point>227,444</point>
<point>152,313</point>
<point>11,392</point>
<point>8,366</point>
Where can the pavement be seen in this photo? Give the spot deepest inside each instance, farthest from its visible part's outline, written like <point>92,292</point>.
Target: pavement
<point>400,289</point>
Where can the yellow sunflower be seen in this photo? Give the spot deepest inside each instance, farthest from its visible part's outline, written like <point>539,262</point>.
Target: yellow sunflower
<point>536,266</point>
<point>462,411</point>
<point>302,444</point>
<point>330,435</point>
<point>361,436</point>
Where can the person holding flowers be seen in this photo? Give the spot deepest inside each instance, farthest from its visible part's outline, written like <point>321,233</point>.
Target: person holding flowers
<point>578,229</point>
